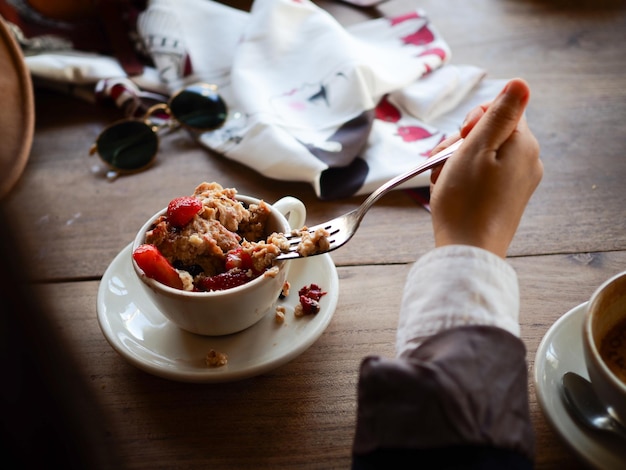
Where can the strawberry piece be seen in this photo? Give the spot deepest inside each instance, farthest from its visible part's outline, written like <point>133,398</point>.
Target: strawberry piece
<point>309,305</point>
<point>180,211</point>
<point>223,281</point>
<point>312,291</point>
<point>309,297</point>
<point>156,266</point>
<point>238,258</point>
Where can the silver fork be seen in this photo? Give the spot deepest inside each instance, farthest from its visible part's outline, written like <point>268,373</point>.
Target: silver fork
<point>342,228</point>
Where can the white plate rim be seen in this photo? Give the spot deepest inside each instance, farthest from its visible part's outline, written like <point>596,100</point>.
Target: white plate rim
<point>304,331</point>
<point>597,449</point>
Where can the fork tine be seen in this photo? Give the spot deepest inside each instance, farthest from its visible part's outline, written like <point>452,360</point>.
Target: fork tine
<point>295,237</point>
<point>294,240</point>
<point>338,234</point>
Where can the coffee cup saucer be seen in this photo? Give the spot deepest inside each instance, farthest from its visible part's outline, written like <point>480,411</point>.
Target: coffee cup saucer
<point>561,351</point>
<point>134,327</point>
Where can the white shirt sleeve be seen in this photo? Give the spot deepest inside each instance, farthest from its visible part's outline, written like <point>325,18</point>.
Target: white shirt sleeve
<point>454,286</point>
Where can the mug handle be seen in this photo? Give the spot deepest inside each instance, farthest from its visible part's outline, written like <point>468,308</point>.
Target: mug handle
<point>293,209</point>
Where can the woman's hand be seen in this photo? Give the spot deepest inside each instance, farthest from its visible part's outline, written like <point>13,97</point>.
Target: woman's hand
<point>479,195</point>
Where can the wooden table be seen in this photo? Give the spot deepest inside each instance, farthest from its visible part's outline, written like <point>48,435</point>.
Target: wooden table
<point>301,415</point>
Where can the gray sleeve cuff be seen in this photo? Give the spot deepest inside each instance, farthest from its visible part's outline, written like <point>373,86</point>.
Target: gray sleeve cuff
<point>465,386</point>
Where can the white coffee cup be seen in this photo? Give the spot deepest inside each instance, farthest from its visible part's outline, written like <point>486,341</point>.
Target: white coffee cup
<point>227,311</point>
<point>606,360</point>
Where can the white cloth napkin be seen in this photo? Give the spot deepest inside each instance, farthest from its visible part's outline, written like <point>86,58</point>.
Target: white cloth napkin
<point>342,108</point>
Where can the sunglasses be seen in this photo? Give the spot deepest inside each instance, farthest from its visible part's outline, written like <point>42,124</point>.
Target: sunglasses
<point>131,145</point>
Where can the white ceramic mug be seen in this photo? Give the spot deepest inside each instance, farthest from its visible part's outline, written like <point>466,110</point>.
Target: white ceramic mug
<point>606,318</point>
<point>227,311</point>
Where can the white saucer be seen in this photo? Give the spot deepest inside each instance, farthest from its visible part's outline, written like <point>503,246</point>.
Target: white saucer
<point>561,351</point>
<point>136,329</point>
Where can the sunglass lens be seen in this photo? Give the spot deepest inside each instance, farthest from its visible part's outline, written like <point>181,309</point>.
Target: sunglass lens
<point>128,145</point>
<point>199,107</point>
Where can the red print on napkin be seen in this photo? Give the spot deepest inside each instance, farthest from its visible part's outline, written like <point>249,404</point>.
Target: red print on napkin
<point>420,37</point>
<point>388,112</point>
<point>413,133</point>
<point>385,111</point>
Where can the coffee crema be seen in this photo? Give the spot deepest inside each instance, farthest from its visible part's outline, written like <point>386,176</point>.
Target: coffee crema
<point>613,350</point>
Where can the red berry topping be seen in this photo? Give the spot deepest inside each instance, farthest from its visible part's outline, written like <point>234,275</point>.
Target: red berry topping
<point>312,291</point>
<point>309,297</point>
<point>181,210</point>
<point>309,306</point>
<point>224,281</point>
<point>238,258</point>
<point>156,267</point>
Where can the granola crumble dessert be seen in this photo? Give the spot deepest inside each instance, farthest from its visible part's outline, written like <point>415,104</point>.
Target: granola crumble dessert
<point>312,243</point>
<point>210,241</point>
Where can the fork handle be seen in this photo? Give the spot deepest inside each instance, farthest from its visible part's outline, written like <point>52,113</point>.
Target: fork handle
<point>431,162</point>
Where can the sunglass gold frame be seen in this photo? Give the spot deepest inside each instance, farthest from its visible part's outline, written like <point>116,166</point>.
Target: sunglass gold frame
<point>171,123</point>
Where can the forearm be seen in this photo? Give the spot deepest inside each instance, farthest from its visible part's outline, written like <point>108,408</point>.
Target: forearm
<point>460,375</point>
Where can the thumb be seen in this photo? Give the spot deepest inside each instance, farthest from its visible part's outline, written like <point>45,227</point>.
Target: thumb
<point>502,116</point>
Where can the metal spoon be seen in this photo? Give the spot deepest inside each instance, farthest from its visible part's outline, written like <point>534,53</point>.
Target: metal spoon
<point>583,402</point>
